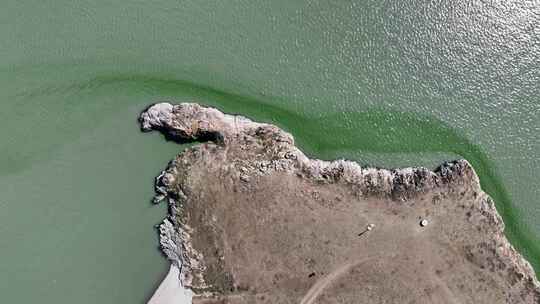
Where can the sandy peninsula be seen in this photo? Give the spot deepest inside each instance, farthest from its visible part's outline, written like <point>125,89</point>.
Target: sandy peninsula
<point>252,219</point>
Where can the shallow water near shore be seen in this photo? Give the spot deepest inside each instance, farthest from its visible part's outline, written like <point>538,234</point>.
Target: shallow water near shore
<point>398,85</point>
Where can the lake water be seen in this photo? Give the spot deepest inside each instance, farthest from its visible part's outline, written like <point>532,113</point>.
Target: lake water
<point>385,84</point>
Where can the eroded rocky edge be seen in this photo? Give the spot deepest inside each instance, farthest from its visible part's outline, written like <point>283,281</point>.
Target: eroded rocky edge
<point>276,152</point>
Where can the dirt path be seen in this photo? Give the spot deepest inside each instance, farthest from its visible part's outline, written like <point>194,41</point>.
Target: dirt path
<point>321,284</point>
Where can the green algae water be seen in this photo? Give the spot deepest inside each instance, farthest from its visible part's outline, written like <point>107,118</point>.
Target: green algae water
<point>386,84</point>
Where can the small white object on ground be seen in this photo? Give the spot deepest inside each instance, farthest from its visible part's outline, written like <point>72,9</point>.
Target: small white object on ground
<point>424,223</point>
<point>370,226</point>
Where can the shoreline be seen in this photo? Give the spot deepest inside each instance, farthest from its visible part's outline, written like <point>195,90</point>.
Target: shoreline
<point>171,291</point>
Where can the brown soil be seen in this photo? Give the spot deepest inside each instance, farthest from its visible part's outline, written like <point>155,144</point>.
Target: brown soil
<point>253,220</point>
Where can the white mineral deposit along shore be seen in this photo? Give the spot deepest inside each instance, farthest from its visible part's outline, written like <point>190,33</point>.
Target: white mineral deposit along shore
<point>171,290</point>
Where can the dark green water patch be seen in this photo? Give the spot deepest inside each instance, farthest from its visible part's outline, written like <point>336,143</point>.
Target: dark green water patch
<point>374,130</point>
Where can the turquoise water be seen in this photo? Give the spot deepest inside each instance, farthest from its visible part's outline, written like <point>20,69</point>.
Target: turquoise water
<point>386,84</point>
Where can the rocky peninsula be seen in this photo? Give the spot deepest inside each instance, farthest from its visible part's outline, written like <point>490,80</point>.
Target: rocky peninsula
<point>252,219</point>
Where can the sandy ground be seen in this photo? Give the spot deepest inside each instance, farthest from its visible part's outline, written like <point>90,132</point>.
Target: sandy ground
<point>171,290</point>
